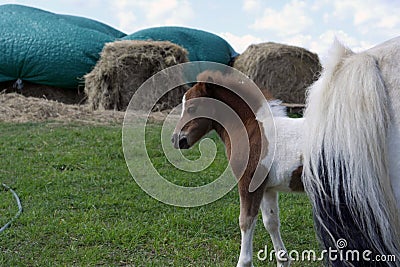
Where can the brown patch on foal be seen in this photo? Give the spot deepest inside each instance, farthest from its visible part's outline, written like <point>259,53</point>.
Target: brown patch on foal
<point>296,184</point>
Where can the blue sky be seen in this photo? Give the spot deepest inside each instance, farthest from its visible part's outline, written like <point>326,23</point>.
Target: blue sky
<point>312,24</point>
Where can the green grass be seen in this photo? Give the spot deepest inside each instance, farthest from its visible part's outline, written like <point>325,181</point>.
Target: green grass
<point>83,208</point>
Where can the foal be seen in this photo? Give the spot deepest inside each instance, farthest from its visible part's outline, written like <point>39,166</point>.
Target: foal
<point>282,154</point>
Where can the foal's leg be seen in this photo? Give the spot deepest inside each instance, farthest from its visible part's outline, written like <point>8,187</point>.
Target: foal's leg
<point>249,206</point>
<point>270,215</point>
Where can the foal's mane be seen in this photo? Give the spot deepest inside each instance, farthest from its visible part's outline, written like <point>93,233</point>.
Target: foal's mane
<point>231,80</point>
<point>219,84</point>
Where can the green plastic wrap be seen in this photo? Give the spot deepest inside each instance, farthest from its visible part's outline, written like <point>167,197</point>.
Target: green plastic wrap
<point>47,48</point>
<point>201,45</point>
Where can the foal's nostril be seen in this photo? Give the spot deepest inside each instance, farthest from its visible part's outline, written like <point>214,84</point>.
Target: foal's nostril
<point>180,141</point>
<point>183,143</point>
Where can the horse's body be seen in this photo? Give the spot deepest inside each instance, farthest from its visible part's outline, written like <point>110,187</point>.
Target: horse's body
<point>352,153</point>
<point>286,169</point>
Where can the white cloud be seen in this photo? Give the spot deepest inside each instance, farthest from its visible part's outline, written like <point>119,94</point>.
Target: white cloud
<point>126,19</point>
<point>293,23</point>
<point>292,19</point>
<point>180,15</point>
<point>251,5</point>
<point>120,4</point>
<point>158,9</point>
<point>317,5</point>
<point>151,13</point>
<point>368,14</point>
<point>240,43</point>
<point>360,10</point>
<point>298,40</point>
<point>389,21</point>
<point>324,41</point>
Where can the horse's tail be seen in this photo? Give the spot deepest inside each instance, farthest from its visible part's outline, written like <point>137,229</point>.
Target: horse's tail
<point>346,168</point>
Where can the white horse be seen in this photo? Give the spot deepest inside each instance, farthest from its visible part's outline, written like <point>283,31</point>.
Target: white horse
<point>352,154</point>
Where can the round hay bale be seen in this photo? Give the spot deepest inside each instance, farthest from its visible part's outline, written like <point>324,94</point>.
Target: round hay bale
<point>124,66</point>
<point>286,71</point>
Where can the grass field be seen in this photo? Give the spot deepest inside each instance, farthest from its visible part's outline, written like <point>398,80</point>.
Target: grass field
<point>83,208</point>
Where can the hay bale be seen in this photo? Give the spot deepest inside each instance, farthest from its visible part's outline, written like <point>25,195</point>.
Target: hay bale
<point>17,108</point>
<point>124,66</point>
<point>286,71</point>
<point>25,88</point>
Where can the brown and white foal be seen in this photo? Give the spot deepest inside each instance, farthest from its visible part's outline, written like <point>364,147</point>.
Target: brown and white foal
<point>282,155</point>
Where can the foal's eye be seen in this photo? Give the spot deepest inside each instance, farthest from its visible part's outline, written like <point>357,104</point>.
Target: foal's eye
<point>191,110</point>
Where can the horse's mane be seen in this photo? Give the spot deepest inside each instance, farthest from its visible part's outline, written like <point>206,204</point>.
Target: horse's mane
<point>245,86</point>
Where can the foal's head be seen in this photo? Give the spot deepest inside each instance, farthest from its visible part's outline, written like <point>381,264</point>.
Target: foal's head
<point>219,99</point>
<point>191,127</point>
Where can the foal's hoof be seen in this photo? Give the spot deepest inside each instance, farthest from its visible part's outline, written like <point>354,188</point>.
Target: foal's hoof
<point>283,264</point>
<point>282,258</point>
<point>250,264</point>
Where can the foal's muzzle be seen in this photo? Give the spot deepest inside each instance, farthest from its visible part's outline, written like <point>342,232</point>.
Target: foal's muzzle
<point>180,141</point>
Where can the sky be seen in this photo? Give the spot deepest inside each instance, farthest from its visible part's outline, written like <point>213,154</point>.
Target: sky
<point>311,24</point>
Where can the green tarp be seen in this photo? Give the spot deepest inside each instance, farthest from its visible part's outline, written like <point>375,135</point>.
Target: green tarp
<point>58,50</point>
<point>46,48</point>
<point>201,45</point>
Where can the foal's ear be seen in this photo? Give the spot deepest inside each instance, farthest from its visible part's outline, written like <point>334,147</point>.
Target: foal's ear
<point>209,85</point>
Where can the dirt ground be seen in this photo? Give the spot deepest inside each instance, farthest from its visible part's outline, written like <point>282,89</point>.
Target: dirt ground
<point>17,108</point>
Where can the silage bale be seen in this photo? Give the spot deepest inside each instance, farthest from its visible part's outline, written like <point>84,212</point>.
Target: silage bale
<point>124,66</point>
<point>286,71</point>
<point>49,49</point>
<point>201,45</point>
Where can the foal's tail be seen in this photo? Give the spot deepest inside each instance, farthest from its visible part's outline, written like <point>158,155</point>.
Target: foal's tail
<point>346,168</point>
